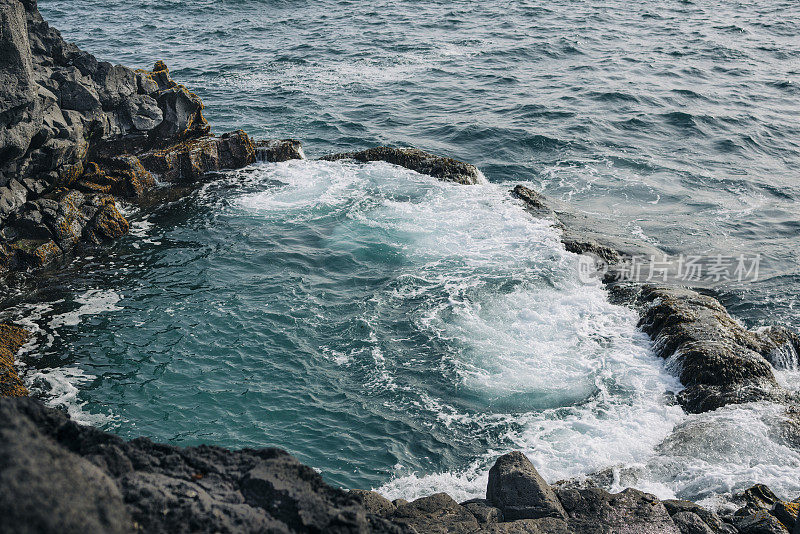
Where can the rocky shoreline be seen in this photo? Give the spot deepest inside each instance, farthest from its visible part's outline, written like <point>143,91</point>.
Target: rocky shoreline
<point>78,136</point>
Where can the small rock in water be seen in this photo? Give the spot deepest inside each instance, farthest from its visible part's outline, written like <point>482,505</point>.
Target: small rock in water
<point>445,169</point>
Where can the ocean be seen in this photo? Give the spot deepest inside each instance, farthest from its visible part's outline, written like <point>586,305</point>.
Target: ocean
<point>399,333</point>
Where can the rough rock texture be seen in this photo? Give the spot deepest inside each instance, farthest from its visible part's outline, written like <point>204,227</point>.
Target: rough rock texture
<point>188,160</point>
<point>58,476</point>
<point>446,169</point>
<point>277,150</point>
<point>517,489</point>
<point>630,511</point>
<point>484,512</point>
<point>438,513</point>
<point>720,361</point>
<point>691,517</point>
<point>46,488</point>
<point>72,124</point>
<point>374,503</point>
<point>759,523</point>
<point>11,339</point>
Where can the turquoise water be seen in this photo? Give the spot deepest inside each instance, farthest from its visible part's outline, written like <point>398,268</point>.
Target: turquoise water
<point>396,332</point>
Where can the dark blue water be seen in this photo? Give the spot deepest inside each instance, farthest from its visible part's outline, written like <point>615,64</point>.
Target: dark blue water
<point>399,333</point>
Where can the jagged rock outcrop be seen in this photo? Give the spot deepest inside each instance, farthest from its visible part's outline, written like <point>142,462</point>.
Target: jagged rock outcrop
<point>57,476</point>
<point>580,233</point>
<point>77,133</point>
<point>718,360</point>
<point>446,169</point>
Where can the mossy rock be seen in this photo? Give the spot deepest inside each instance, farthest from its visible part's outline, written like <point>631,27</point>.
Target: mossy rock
<point>11,339</point>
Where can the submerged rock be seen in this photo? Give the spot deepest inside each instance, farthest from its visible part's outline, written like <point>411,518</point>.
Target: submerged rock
<point>720,362</point>
<point>446,169</point>
<point>582,234</point>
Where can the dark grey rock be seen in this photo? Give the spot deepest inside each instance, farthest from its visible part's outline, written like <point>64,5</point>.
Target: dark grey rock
<point>145,83</point>
<point>115,84</point>
<point>786,513</point>
<point>446,169</point>
<point>12,197</point>
<point>20,110</point>
<point>45,488</point>
<point>58,476</point>
<point>78,96</point>
<point>182,113</point>
<point>712,520</point>
<point>545,525</point>
<point>438,513</point>
<point>277,150</point>
<point>374,502</point>
<point>721,362</point>
<point>142,112</point>
<point>483,511</point>
<point>630,511</point>
<point>759,523</point>
<point>517,489</point>
<point>582,234</point>
<point>690,523</point>
<point>760,496</point>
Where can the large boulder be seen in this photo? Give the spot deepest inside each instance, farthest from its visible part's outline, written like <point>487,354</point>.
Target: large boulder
<point>721,362</point>
<point>517,489</point>
<point>45,488</point>
<point>445,169</point>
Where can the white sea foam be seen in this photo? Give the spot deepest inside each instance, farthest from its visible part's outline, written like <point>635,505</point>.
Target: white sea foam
<point>92,302</point>
<point>60,387</point>
<point>575,382</point>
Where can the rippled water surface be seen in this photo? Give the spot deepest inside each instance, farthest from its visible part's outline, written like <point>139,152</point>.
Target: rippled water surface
<point>397,332</point>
